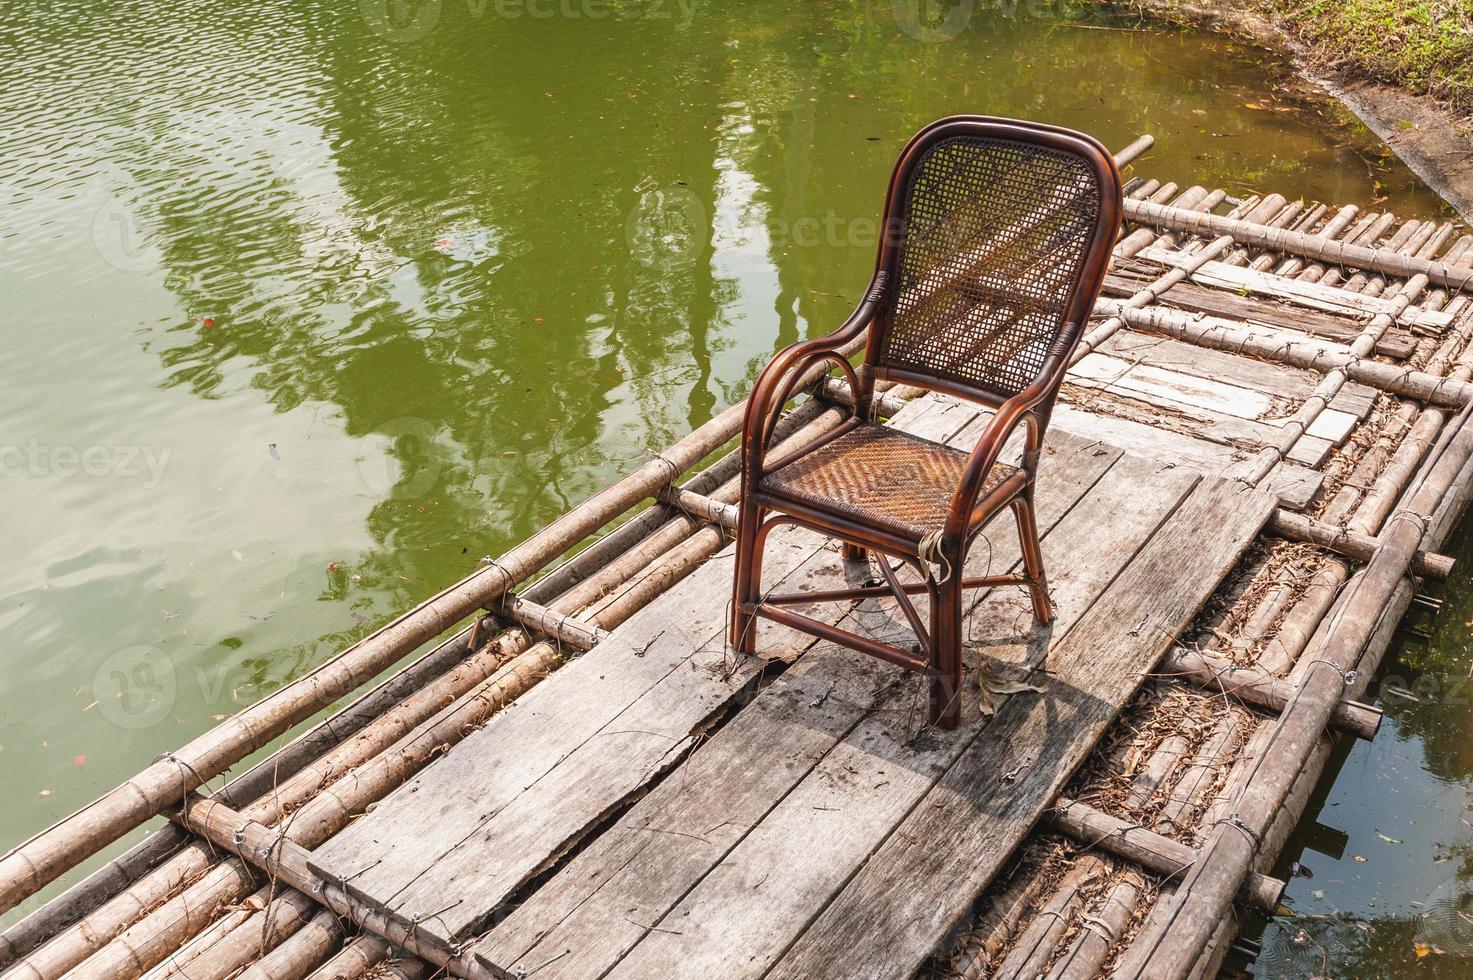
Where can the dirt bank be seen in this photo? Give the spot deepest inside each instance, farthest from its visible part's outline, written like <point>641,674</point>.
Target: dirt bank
<point>1433,133</point>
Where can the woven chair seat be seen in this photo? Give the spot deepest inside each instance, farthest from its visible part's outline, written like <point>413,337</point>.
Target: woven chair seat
<point>880,475</point>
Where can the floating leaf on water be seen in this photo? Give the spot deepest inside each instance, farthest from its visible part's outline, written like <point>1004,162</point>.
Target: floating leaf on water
<point>1422,949</point>
<point>1359,858</point>
<point>1389,840</point>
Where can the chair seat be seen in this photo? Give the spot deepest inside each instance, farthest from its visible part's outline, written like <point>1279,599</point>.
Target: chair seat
<point>882,476</point>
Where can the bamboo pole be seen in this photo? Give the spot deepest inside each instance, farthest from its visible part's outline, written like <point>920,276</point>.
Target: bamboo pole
<point>1088,953</point>
<point>1298,243</point>
<point>1421,242</point>
<point>1308,615</point>
<point>1155,852</point>
<point>1363,346</point>
<point>1134,149</point>
<point>1204,895</point>
<point>1148,294</point>
<point>560,627</point>
<point>1277,346</point>
<point>179,960</point>
<point>1258,687</point>
<point>286,861</point>
<point>257,937</point>
<point>355,958</point>
<point>126,871</point>
<point>302,953</point>
<point>1351,543</point>
<point>36,862</point>
<point>461,683</point>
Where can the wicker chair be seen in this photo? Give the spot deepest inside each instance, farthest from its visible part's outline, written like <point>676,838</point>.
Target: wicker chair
<point>997,237</point>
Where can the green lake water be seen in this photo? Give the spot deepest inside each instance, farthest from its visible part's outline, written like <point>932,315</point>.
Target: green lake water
<point>307,306</point>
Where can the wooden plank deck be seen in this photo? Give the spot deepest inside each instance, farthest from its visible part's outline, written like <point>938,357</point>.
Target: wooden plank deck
<point>655,806</point>
<point>768,820</point>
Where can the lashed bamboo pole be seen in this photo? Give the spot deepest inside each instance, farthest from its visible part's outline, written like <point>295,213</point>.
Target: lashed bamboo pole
<point>302,953</point>
<point>1277,346</point>
<point>111,880</point>
<point>1034,947</point>
<point>258,936</point>
<point>179,960</point>
<point>1258,687</point>
<point>286,861</point>
<point>1309,615</point>
<point>1152,851</point>
<point>1349,542</point>
<point>1298,243</point>
<point>1329,386</point>
<point>1204,895</point>
<point>221,884</point>
<point>1146,295</point>
<point>560,627</point>
<point>982,945</point>
<point>36,862</point>
<point>1087,954</point>
<point>1419,241</point>
<point>356,957</point>
<point>1087,939</point>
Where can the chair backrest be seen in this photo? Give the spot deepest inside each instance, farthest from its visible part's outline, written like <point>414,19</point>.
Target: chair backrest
<point>998,233</point>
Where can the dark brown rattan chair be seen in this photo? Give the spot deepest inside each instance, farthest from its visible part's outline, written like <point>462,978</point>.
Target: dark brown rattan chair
<point>997,235</point>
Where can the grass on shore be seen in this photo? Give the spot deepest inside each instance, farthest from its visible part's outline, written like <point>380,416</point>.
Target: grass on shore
<point>1423,45</point>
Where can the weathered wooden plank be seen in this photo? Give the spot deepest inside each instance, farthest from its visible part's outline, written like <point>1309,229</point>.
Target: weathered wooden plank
<point>1397,342</point>
<point>1242,435</point>
<point>639,698</point>
<point>742,914</point>
<point>1290,384</point>
<point>1171,387</point>
<point>913,890</point>
<point>1294,484</point>
<point>1332,425</point>
<point>1314,295</point>
<point>599,906</point>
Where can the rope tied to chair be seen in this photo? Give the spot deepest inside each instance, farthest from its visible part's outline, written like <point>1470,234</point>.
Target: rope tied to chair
<point>931,553</point>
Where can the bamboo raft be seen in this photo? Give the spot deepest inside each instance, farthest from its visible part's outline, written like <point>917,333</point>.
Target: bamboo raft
<point>582,780</point>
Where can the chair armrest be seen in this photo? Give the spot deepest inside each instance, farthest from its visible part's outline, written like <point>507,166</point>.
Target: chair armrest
<point>796,365</point>
<point>1022,406</point>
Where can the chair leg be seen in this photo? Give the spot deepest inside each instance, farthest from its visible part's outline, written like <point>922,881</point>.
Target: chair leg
<point>852,552</point>
<point>1043,607</point>
<point>747,588</point>
<point>946,652</point>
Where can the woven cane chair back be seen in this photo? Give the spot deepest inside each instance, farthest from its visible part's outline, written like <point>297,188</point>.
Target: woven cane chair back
<point>993,234</point>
